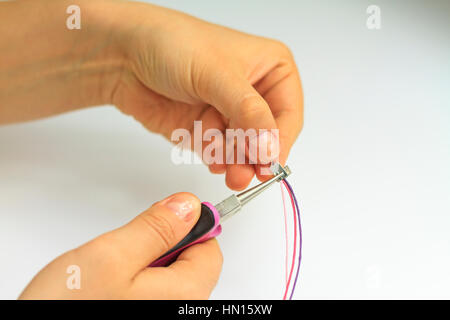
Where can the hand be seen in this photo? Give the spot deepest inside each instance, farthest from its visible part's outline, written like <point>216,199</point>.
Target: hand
<point>180,69</point>
<point>161,66</point>
<point>115,265</point>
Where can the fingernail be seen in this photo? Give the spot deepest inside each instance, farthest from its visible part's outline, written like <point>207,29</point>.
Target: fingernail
<point>183,206</point>
<point>268,146</point>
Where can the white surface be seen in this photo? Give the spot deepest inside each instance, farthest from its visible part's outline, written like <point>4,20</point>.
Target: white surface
<point>371,167</point>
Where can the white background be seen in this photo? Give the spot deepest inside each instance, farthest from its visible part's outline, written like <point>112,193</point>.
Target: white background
<point>371,167</point>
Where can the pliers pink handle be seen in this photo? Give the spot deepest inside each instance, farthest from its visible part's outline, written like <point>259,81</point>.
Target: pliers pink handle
<point>207,227</point>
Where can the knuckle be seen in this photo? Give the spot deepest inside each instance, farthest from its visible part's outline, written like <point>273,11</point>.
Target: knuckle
<point>161,226</point>
<point>282,48</point>
<point>252,106</point>
<point>202,83</point>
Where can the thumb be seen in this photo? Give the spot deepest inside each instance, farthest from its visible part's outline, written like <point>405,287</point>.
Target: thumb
<point>156,230</point>
<point>235,97</point>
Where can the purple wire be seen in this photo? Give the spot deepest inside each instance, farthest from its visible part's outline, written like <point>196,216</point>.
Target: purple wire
<point>300,236</point>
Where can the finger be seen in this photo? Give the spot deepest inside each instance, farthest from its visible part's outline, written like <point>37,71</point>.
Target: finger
<point>289,134</point>
<point>263,172</point>
<point>153,232</point>
<point>200,263</point>
<point>206,139</point>
<point>282,89</point>
<point>237,99</point>
<point>239,173</point>
<point>213,141</point>
<point>192,276</point>
<point>239,176</point>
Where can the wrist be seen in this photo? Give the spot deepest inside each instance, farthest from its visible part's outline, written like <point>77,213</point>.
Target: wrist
<point>48,68</point>
<point>119,24</point>
<point>102,58</point>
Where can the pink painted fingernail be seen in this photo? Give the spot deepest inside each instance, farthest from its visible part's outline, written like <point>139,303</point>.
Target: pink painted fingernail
<point>183,206</point>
